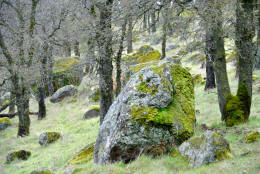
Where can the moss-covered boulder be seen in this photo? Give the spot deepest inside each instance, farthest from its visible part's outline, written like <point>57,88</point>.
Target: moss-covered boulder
<point>92,112</point>
<point>62,93</point>
<point>204,149</point>
<point>4,123</point>
<point>48,137</point>
<point>42,171</point>
<point>253,136</point>
<point>67,71</point>
<point>153,113</point>
<point>84,156</point>
<point>143,55</point>
<point>19,155</point>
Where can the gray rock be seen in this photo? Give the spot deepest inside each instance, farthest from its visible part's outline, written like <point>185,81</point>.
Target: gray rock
<point>62,93</point>
<point>171,47</point>
<point>48,137</point>
<point>204,149</point>
<point>136,122</point>
<point>20,155</point>
<point>92,112</point>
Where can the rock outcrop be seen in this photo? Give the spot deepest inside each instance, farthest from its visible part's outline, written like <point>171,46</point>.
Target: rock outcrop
<point>66,91</point>
<point>48,137</point>
<point>4,123</point>
<point>19,154</point>
<point>206,148</point>
<point>153,113</point>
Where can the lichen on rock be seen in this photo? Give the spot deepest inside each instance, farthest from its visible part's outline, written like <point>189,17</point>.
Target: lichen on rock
<point>253,136</point>
<point>204,149</point>
<point>84,156</point>
<point>153,113</point>
<point>48,137</point>
<point>4,123</point>
<point>19,154</point>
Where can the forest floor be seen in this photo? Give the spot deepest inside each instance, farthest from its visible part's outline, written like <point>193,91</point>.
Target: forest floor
<point>66,118</point>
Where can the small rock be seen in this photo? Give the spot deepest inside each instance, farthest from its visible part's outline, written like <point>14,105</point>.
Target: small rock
<point>62,93</point>
<point>171,47</point>
<point>204,149</point>
<point>48,137</point>
<point>20,155</point>
<point>42,171</point>
<point>253,136</point>
<point>92,112</point>
<point>4,123</point>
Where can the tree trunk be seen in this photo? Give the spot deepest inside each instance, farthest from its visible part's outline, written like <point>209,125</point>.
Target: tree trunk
<point>130,35</point>
<point>104,40</point>
<point>210,74</point>
<point>12,103</point>
<point>50,72</point>
<point>164,28</point>
<point>91,63</point>
<point>153,25</point>
<point>245,30</point>
<point>144,22</point>
<point>41,104</point>
<point>149,22</point>
<point>118,58</point>
<point>76,49</point>
<point>22,103</point>
<point>257,64</point>
<point>67,49</point>
<point>217,51</point>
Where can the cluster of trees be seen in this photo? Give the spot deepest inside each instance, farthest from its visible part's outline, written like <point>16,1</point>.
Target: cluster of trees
<point>33,31</point>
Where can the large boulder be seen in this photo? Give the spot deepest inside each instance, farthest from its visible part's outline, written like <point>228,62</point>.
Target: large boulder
<point>66,91</point>
<point>4,123</point>
<point>206,148</point>
<point>153,113</point>
<point>48,137</point>
<point>19,154</point>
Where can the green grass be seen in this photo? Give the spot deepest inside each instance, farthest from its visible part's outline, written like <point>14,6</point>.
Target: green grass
<point>77,133</point>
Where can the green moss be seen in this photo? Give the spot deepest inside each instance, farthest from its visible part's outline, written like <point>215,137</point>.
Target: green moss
<point>145,88</point>
<point>84,156</point>
<point>95,107</point>
<point>231,56</point>
<point>95,95</point>
<point>197,79</point>
<point>252,136</point>
<point>234,113</point>
<point>223,151</point>
<point>5,120</point>
<point>197,141</point>
<point>20,155</point>
<point>245,100</point>
<point>180,112</point>
<point>65,65</point>
<point>42,172</point>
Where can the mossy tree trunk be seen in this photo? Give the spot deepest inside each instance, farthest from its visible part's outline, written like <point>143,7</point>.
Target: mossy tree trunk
<point>144,22</point>
<point>130,35</point>
<point>50,71</point>
<point>104,39</point>
<point>91,44</point>
<point>217,51</point>
<point>257,64</point>
<point>164,28</point>
<point>67,48</point>
<point>245,30</point>
<point>118,57</point>
<point>210,74</point>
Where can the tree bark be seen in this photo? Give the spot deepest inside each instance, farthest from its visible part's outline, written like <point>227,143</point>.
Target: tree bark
<point>50,71</point>
<point>91,63</point>
<point>257,64</point>
<point>153,25</point>
<point>130,35</point>
<point>76,48</point>
<point>41,104</point>
<point>104,40</point>
<point>12,103</point>
<point>67,48</point>
<point>118,58</point>
<point>144,22</point>
<point>164,28</point>
<point>245,31</point>
<point>210,74</point>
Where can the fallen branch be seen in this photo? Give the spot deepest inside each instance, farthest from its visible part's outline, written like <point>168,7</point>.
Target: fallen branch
<point>12,115</point>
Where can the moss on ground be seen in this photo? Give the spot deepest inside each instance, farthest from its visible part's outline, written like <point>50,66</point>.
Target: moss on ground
<point>84,156</point>
<point>5,120</point>
<point>252,136</point>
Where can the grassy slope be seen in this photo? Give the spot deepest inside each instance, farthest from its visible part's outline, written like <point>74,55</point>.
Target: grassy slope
<point>77,133</point>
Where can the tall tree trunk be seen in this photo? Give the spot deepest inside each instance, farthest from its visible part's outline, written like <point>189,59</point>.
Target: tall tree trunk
<point>67,48</point>
<point>41,104</point>
<point>104,40</point>
<point>153,25</point>
<point>91,55</point>
<point>130,35</point>
<point>76,48</point>
<point>118,58</point>
<point>144,22</point>
<point>22,103</point>
<point>50,72</point>
<point>245,30</point>
<point>149,22</point>
<point>210,74</point>
<point>215,37</point>
<point>257,64</point>
<point>164,27</point>
<point>12,103</point>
